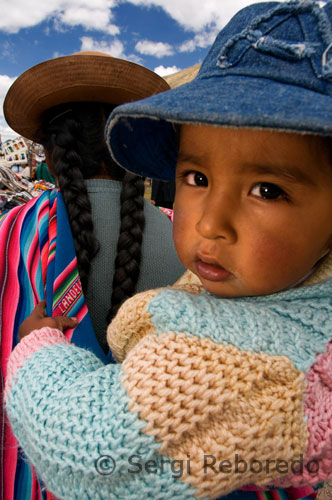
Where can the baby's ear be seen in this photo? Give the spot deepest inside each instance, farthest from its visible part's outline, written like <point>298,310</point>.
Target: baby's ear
<point>131,323</point>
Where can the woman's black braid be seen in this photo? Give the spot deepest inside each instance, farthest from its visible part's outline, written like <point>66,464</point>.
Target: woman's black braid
<point>127,262</point>
<point>73,136</point>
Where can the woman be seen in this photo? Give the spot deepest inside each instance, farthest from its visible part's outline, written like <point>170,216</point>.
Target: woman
<point>61,246</point>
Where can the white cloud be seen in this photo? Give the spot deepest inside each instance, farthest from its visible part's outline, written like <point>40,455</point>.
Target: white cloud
<point>157,49</point>
<point>58,54</point>
<point>188,46</point>
<point>196,15</point>
<point>114,48</point>
<point>7,49</point>
<point>91,15</point>
<point>162,71</point>
<point>202,40</point>
<point>90,18</point>
<point>5,83</point>
<point>5,131</point>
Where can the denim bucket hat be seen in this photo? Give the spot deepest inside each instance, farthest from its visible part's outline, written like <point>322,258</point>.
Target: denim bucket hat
<point>269,68</point>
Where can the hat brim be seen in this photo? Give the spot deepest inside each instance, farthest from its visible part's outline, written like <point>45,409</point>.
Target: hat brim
<point>75,78</point>
<point>142,138</point>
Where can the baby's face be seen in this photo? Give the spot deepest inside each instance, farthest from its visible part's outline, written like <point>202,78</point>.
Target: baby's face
<point>253,209</point>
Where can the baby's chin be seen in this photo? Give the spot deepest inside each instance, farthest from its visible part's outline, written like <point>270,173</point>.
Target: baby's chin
<point>236,286</point>
<point>222,290</point>
<point>231,290</point>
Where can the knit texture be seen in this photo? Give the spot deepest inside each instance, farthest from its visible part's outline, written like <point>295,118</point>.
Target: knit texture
<point>37,262</point>
<point>28,346</point>
<point>318,405</point>
<point>133,320</point>
<point>294,323</point>
<point>70,414</point>
<point>202,399</point>
<point>245,381</point>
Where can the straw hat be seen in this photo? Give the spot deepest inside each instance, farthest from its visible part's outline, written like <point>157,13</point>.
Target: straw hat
<point>85,76</point>
<point>183,76</point>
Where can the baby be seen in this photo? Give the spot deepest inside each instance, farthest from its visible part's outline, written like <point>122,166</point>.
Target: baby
<point>225,381</point>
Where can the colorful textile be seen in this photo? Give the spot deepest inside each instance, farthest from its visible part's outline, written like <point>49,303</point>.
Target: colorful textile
<point>43,173</point>
<point>37,262</point>
<point>244,379</point>
<point>305,493</point>
<point>168,212</point>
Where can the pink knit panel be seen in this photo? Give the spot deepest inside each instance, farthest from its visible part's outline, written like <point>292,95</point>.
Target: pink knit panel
<point>317,463</point>
<point>28,346</point>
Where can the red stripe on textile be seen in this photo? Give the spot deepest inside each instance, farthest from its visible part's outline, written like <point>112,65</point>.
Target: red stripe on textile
<point>11,228</point>
<point>33,257</point>
<point>68,298</point>
<point>50,496</point>
<point>260,495</point>
<point>64,275</point>
<point>10,462</point>
<point>36,493</point>
<point>52,232</point>
<point>301,492</point>
<point>52,227</point>
<point>10,292</point>
<point>80,315</point>
<point>32,264</point>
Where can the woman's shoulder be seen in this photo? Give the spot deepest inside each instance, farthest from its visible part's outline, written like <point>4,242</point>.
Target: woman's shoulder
<point>160,264</point>
<point>48,194</point>
<point>34,204</point>
<point>155,215</point>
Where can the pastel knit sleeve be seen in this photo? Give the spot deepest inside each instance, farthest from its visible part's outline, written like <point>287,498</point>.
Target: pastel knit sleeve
<point>242,387</point>
<point>71,416</point>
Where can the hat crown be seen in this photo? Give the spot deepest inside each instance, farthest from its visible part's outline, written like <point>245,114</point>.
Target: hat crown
<point>288,42</point>
<point>82,77</point>
<point>269,68</point>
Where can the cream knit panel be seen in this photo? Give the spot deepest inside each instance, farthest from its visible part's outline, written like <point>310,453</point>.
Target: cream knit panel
<point>133,321</point>
<point>323,271</point>
<point>200,398</point>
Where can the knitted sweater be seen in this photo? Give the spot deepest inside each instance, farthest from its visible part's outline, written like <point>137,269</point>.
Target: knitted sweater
<point>213,394</point>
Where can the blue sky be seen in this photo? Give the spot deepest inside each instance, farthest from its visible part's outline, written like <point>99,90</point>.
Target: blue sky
<point>163,35</point>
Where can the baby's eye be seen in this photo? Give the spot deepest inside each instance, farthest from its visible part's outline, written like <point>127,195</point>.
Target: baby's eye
<point>196,179</point>
<point>268,191</point>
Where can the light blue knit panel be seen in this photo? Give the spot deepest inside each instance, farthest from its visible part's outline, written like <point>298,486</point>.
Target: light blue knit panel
<point>296,323</point>
<point>67,410</point>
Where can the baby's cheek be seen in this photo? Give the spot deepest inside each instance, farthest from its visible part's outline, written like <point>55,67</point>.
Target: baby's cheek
<point>182,235</point>
<point>275,261</point>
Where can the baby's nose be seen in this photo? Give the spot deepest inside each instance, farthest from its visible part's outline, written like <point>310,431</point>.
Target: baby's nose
<point>218,217</point>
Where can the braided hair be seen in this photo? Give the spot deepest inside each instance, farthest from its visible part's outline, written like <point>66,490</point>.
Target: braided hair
<point>73,137</point>
<point>128,256</point>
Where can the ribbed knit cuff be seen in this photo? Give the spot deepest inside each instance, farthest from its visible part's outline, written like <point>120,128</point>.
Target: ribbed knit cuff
<point>28,346</point>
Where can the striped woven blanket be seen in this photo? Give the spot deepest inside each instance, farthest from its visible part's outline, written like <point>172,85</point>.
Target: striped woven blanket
<point>37,262</point>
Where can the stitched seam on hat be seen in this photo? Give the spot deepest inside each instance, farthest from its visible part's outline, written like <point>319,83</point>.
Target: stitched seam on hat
<point>251,35</point>
<point>251,32</point>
